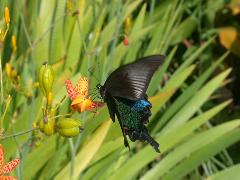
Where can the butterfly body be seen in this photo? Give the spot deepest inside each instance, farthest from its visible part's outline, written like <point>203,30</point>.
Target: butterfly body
<point>124,92</point>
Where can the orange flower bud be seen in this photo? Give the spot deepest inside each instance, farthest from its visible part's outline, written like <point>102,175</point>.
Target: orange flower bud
<point>49,98</point>
<point>8,69</point>
<point>2,34</point>
<point>14,43</point>
<point>6,15</point>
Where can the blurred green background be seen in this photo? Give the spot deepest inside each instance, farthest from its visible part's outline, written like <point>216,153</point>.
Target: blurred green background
<point>195,94</point>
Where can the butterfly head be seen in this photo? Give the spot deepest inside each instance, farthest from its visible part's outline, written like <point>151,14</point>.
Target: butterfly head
<point>99,86</point>
<point>101,90</point>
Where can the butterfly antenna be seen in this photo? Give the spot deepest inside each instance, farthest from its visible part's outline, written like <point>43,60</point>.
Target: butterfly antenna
<point>91,71</point>
<point>93,90</point>
<point>94,94</point>
<point>98,67</point>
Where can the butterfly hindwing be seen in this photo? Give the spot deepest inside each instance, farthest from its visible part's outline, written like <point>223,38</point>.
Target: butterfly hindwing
<point>131,81</point>
<point>112,112</point>
<point>111,106</point>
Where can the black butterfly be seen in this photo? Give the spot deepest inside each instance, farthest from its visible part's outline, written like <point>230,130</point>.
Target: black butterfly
<point>125,94</point>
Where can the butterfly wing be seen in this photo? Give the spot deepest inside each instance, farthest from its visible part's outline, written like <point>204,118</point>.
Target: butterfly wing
<point>109,100</point>
<point>131,81</point>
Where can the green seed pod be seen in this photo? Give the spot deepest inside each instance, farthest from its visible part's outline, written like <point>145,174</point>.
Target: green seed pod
<point>45,78</point>
<point>68,127</point>
<point>37,143</point>
<point>49,127</point>
<point>69,132</point>
<point>41,125</point>
<point>65,123</point>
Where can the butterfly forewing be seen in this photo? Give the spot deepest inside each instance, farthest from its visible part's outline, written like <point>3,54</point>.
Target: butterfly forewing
<point>131,81</point>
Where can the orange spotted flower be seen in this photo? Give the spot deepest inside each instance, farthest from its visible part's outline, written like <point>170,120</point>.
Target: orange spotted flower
<point>79,96</point>
<point>5,169</point>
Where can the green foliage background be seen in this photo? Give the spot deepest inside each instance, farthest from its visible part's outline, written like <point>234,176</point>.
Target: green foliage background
<point>184,92</point>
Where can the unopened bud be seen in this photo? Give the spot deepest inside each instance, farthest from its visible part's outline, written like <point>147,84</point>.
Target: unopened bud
<point>2,34</point>
<point>81,6</point>
<point>14,43</point>
<point>49,98</point>
<point>45,78</point>
<point>14,74</point>
<point>6,15</point>
<point>127,25</point>
<point>8,69</point>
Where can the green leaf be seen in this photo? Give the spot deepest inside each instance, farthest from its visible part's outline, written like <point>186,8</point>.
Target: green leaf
<point>194,56</point>
<point>56,48</point>
<point>158,76</point>
<point>193,144</point>
<point>196,101</point>
<point>100,166</point>
<point>184,30</point>
<point>39,156</point>
<point>176,80</point>
<point>232,173</point>
<point>188,93</point>
<point>202,154</point>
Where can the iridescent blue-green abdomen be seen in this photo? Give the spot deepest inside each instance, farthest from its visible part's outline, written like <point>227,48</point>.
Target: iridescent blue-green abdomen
<point>133,116</point>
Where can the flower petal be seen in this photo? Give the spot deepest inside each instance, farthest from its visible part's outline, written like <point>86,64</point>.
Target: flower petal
<point>82,105</point>
<point>1,155</point>
<point>82,87</point>
<point>7,178</point>
<point>77,104</point>
<point>10,166</point>
<point>97,104</point>
<point>70,90</point>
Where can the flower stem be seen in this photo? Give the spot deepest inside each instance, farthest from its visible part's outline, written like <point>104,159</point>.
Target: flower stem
<point>1,83</point>
<point>18,134</point>
<point>5,111</point>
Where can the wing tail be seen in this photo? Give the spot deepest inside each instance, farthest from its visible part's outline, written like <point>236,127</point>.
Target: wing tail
<point>150,140</point>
